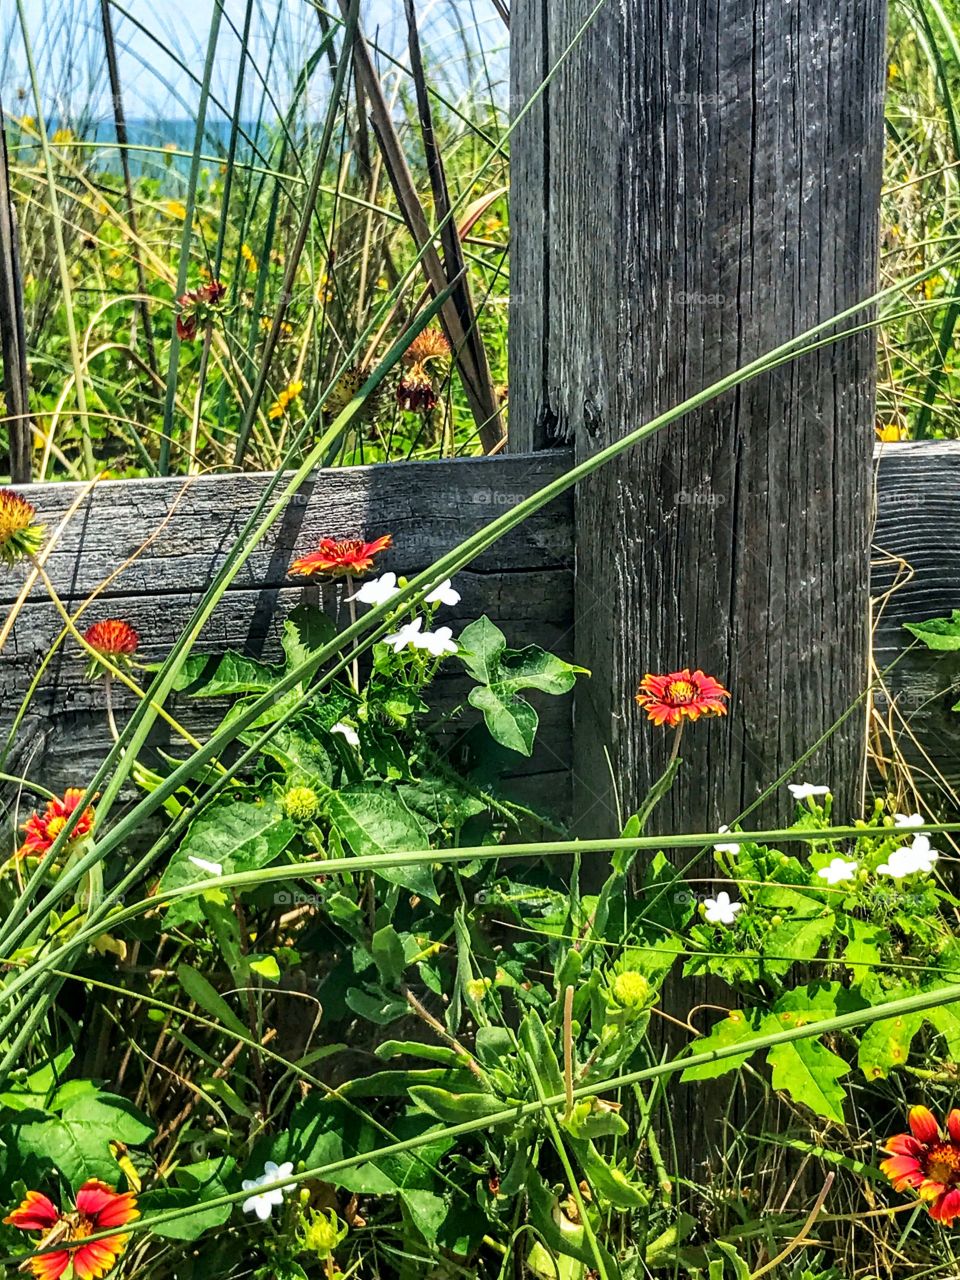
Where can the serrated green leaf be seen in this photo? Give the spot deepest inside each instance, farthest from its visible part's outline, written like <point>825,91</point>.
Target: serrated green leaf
<point>234,834</point>
<point>941,634</point>
<point>810,1073</point>
<point>730,1030</point>
<point>374,820</point>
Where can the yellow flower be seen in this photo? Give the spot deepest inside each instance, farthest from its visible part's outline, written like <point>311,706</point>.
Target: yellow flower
<point>249,257</point>
<point>62,136</point>
<point>890,433</point>
<point>932,284</point>
<point>285,399</point>
<point>176,209</point>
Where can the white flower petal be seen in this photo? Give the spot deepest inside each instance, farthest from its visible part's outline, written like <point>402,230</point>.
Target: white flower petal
<point>212,868</point>
<point>838,871</point>
<point>908,819</point>
<point>806,790</point>
<point>377,590</point>
<point>443,594</point>
<point>349,733</point>
<point>408,634</point>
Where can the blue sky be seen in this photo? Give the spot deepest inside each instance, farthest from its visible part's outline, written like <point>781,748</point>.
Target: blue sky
<point>68,48</point>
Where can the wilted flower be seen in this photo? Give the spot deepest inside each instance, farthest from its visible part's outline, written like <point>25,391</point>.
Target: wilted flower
<point>98,1208</point>
<point>416,392</point>
<point>928,1163</point>
<point>195,305</point>
<point>806,790</point>
<point>344,389</point>
<point>838,871</point>
<point>720,910</point>
<point>429,344</point>
<point>336,559</point>
<point>443,594</point>
<point>377,590</point>
<point>20,535</point>
<point>43,828</point>
<point>685,694</point>
<point>264,1202</point>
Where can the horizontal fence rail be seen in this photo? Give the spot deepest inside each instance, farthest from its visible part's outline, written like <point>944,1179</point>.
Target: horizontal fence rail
<point>171,536</point>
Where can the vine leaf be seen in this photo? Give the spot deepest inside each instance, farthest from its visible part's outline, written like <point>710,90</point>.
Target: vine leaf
<point>502,673</point>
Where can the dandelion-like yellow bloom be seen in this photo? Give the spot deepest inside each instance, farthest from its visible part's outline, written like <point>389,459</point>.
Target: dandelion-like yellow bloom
<point>249,257</point>
<point>20,535</point>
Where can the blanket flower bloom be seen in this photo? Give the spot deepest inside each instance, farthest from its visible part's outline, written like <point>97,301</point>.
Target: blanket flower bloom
<point>43,828</point>
<point>681,695</point>
<point>928,1163</point>
<point>335,559</point>
<point>113,638</point>
<point>98,1208</point>
<point>195,305</point>
<point>20,535</point>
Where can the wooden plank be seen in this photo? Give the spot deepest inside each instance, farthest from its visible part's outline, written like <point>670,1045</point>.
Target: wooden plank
<point>524,584</point>
<point>916,575</point>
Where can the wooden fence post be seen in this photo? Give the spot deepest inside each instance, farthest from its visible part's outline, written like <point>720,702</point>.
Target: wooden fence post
<point>699,183</point>
<point>13,349</point>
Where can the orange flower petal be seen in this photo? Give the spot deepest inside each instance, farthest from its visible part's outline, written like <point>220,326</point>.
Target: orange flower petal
<point>36,1213</point>
<point>49,1266</point>
<point>93,1260</point>
<point>105,1207</point>
<point>947,1207</point>
<point>923,1124</point>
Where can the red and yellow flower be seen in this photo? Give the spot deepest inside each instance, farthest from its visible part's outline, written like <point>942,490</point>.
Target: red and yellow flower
<point>43,828</point>
<point>195,305</point>
<point>681,695</point>
<point>337,559</point>
<point>928,1162</point>
<point>114,639</point>
<point>20,535</point>
<point>98,1208</point>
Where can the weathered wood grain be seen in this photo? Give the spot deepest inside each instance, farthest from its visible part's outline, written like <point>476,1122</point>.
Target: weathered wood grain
<point>524,584</point>
<point>707,179</point>
<point>916,576</point>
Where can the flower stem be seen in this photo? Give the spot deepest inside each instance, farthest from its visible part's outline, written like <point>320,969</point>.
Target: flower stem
<point>352,608</point>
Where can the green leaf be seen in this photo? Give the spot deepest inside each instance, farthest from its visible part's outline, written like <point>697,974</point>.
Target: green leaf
<point>232,674</point>
<point>236,835</point>
<point>809,1072</point>
<point>886,1044</point>
<point>205,1180</point>
<point>374,821</point>
<point>942,634</point>
<point>502,673</point>
<point>298,751</point>
<point>77,1141</point>
<point>305,630</point>
<point>265,967</point>
<point>388,955</point>
<point>210,1001</point>
<point>864,946</point>
<point>454,1108</point>
<point>737,1027</point>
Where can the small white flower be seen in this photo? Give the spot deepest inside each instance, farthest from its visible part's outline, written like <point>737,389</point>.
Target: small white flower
<point>910,859</point>
<point>444,594</point>
<point>349,733</point>
<point>437,642</point>
<point>720,910</point>
<point>212,868</point>
<point>923,855</point>
<point>726,848</point>
<point>408,634</point>
<point>377,590</point>
<point>264,1202</point>
<point>838,871</point>
<point>908,819</point>
<point>806,790</point>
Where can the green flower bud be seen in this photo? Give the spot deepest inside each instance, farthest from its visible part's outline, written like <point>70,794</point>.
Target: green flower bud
<point>477,988</point>
<point>301,804</point>
<point>631,990</point>
<point>321,1233</point>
